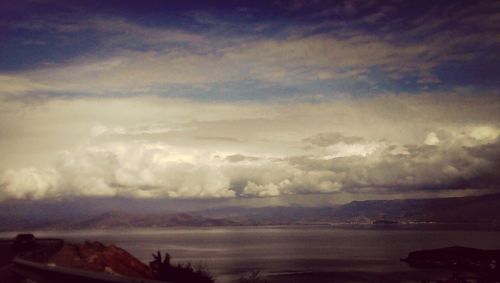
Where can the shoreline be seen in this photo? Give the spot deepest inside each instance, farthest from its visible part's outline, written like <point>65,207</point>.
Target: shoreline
<point>431,226</point>
<point>360,276</point>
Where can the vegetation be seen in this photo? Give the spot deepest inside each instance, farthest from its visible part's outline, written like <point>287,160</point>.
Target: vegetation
<point>252,277</point>
<point>183,272</point>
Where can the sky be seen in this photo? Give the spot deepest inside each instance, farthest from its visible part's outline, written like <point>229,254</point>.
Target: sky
<point>259,102</point>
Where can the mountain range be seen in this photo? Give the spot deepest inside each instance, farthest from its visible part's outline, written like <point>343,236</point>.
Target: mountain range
<point>97,213</point>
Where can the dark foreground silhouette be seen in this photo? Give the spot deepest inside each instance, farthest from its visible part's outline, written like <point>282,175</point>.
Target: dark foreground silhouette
<point>467,264</point>
<point>52,260</point>
<point>165,271</point>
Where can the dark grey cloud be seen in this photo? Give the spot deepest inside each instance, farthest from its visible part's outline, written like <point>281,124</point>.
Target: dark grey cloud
<point>240,157</point>
<point>326,139</point>
<point>413,167</point>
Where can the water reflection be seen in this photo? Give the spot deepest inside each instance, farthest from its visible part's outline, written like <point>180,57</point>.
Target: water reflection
<point>277,250</point>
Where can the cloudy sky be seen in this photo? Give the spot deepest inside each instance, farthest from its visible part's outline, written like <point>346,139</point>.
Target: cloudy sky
<point>315,101</point>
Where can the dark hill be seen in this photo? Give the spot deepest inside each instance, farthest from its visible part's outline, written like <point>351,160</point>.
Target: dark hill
<point>466,210</point>
<point>475,209</point>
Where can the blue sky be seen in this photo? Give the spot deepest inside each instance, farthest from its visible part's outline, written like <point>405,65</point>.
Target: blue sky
<point>360,47</point>
<point>244,99</point>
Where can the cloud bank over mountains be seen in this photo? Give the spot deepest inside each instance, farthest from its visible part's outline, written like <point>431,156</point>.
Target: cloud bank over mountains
<point>185,149</point>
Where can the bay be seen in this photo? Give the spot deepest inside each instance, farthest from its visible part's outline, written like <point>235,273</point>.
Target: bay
<point>229,252</point>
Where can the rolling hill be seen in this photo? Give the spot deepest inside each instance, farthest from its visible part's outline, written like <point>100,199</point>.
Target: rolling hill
<point>465,210</point>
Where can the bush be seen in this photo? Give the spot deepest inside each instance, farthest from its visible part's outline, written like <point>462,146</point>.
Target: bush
<point>182,273</point>
<point>252,277</point>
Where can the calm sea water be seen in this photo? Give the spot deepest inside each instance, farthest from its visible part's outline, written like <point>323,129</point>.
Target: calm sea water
<point>230,251</point>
